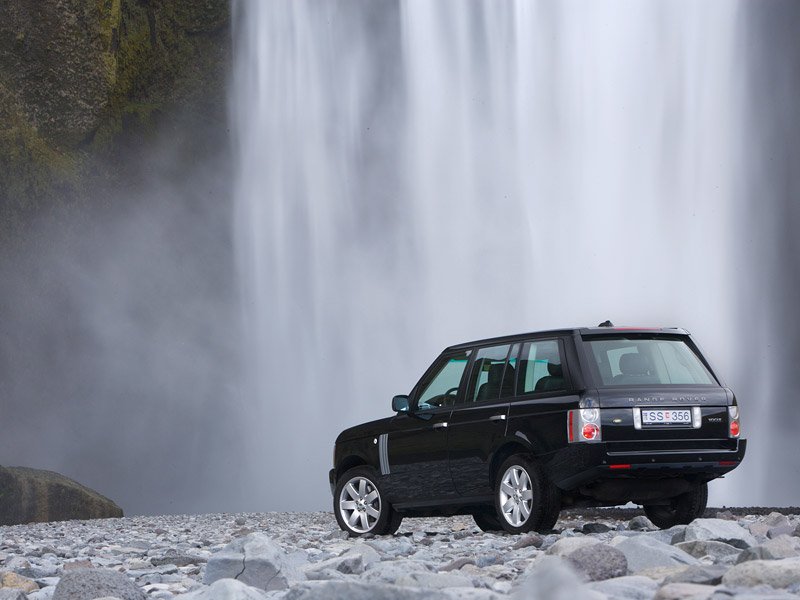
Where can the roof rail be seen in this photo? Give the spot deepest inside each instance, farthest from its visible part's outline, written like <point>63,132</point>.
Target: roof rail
<point>606,323</point>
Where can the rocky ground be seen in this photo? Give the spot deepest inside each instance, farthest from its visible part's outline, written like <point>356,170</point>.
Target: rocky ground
<point>295,556</point>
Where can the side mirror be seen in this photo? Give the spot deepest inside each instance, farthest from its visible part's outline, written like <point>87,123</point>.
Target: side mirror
<point>400,404</point>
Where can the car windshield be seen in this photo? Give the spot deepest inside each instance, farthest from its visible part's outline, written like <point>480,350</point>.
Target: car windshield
<point>648,361</point>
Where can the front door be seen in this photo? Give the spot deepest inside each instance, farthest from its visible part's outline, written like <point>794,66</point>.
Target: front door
<point>478,423</point>
<point>416,447</point>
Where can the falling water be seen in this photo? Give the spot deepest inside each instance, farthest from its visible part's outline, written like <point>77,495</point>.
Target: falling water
<point>414,174</point>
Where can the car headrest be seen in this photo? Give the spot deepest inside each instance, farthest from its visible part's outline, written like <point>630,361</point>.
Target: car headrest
<point>555,369</point>
<point>496,373</point>
<point>633,364</point>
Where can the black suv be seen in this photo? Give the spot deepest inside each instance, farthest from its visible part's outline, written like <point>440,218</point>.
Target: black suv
<point>512,429</point>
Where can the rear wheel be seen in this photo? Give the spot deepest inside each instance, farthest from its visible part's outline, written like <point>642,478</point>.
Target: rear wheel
<point>360,507</point>
<point>518,494</point>
<point>487,522</point>
<point>681,510</point>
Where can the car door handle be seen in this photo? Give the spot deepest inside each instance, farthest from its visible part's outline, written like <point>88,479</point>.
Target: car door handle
<point>497,418</point>
<point>440,425</point>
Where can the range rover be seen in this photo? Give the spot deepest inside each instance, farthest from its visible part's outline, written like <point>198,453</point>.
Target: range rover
<point>513,429</point>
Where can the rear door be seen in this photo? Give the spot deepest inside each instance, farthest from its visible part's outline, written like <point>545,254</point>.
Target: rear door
<point>416,448</point>
<point>478,422</point>
<point>545,393</point>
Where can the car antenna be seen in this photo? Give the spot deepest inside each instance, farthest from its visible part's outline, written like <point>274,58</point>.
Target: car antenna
<point>606,324</point>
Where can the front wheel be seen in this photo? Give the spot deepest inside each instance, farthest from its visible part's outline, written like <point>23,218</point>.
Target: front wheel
<point>360,507</point>
<point>681,510</point>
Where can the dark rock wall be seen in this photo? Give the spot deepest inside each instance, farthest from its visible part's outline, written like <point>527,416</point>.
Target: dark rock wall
<point>83,83</point>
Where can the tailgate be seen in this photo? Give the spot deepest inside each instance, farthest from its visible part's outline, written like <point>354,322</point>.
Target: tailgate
<point>680,413</point>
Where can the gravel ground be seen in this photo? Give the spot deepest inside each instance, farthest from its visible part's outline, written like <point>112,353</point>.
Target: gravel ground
<point>593,553</point>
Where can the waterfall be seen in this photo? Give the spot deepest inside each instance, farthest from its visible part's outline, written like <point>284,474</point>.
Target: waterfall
<point>415,174</point>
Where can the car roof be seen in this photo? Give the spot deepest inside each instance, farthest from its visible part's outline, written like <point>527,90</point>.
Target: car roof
<point>610,330</point>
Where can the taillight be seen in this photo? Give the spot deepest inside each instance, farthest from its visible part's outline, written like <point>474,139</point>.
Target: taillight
<point>583,425</point>
<point>733,421</point>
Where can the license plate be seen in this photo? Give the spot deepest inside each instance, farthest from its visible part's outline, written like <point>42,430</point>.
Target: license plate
<point>667,416</point>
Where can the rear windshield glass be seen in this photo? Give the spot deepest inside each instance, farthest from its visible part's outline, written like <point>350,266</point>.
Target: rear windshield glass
<point>659,361</point>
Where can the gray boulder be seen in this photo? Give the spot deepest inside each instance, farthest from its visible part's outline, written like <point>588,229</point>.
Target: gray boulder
<point>640,523</point>
<point>631,587</point>
<point>599,562</point>
<point>254,560</point>
<point>780,547</point>
<point>81,584</point>
<point>551,578</point>
<point>718,551</point>
<point>702,574</point>
<point>684,591</point>
<point>35,496</point>
<point>719,530</point>
<point>356,590</point>
<point>568,545</point>
<point>645,553</point>
<point>12,594</point>
<point>777,573</point>
<point>225,589</point>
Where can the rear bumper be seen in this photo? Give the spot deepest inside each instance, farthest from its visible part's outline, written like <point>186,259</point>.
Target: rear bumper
<point>583,464</point>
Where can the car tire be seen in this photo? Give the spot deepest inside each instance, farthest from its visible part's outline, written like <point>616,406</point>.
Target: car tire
<point>360,505</point>
<point>518,499</point>
<point>551,506</point>
<point>487,522</point>
<point>681,510</point>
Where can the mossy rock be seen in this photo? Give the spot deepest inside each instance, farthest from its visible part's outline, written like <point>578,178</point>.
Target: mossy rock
<point>35,496</point>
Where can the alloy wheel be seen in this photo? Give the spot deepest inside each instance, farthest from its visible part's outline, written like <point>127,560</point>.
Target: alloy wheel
<point>516,495</point>
<point>360,504</point>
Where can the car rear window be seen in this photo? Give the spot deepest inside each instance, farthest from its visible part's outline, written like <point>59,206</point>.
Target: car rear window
<point>648,361</point>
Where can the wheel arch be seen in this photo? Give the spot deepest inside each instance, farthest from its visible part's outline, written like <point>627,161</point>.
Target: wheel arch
<point>348,462</point>
<point>506,448</point>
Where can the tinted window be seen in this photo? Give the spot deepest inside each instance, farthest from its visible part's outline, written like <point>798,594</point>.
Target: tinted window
<point>442,388</point>
<point>660,361</point>
<point>540,368</point>
<point>493,373</point>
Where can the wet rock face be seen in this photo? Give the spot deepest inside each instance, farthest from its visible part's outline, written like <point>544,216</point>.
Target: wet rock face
<point>31,495</point>
<point>57,62</point>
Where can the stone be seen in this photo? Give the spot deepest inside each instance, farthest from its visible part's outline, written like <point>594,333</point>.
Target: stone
<point>12,594</point>
<point>390,571</point>
<point>347,563</point>
<point>528,540</point>
<point>776,573</point>
<point>643,553</point>
<point>82,584</point>
<point>17,582</point>
<point>456,564</point>
<point>684,591</point>
<point>553,578</point>
<point>640,523</point>
<point>566,546</point>
<point>701,574</point>
<point>719,530</point>
<point>718,551</point>
<point>774,532</point>
<point>599,561</point>
<point>725,514</point>
<point>631,587</point>
<point>226,589</point>
<point>32,495</point>
<point>776,519</point>
<point>255,560</point>
<point>595,528</point>
<point>356,590</point>
<point>780,547</point>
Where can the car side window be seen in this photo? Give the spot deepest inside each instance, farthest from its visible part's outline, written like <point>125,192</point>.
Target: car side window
<point>540,368</point>
<point>442,388</point>
<point>493,373</point>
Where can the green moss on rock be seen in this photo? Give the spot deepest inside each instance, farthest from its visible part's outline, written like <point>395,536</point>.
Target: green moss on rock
<point>35,496</point>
